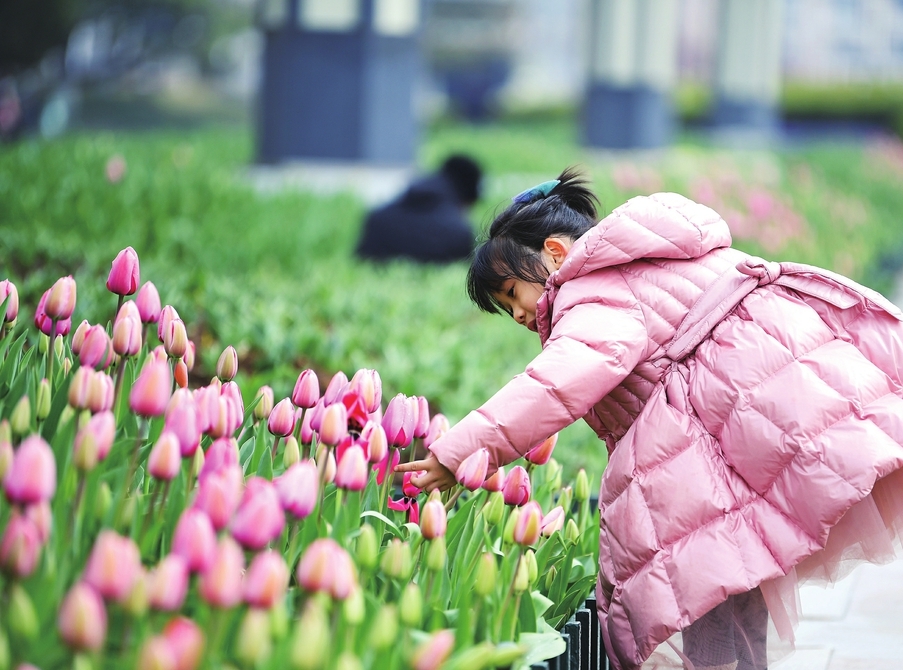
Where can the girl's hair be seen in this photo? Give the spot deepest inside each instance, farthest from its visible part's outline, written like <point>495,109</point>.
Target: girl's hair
<point>516,237</point>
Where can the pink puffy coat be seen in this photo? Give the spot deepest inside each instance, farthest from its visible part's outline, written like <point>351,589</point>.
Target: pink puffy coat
<point>746,406</point>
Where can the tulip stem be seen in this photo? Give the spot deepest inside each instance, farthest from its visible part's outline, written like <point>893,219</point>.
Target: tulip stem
<point>51,353</point>
<point>454,498</point>
<point>120,374</point>
<point>501,618</point>
<point>275,447</point>
<point>133,466</point>
<point>79,492</point>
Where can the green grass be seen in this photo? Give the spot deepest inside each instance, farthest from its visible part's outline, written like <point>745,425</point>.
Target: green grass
<point>274,275</point>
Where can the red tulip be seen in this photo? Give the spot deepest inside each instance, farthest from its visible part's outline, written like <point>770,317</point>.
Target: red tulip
<point>266,580</point>
<point>125,274</point>
<point>32,476</point>
<point>148,302</point>
<point>82,619</point>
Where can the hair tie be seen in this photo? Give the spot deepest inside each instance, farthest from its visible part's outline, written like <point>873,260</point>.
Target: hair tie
<point>539,191</point>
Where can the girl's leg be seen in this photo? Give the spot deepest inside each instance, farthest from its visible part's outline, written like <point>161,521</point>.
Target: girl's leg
<point>730,636</point>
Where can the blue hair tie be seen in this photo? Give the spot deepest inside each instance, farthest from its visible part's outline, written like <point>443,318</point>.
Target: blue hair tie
<point>539,191</point>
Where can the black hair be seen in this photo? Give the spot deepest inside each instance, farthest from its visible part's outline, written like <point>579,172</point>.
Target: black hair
<point>465,175</point>
<point>516,237</point>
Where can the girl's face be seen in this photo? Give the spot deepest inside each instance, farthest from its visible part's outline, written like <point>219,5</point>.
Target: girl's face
<point>519,297</point>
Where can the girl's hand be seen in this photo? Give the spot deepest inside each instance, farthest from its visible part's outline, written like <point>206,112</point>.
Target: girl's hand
<point>431,474</point>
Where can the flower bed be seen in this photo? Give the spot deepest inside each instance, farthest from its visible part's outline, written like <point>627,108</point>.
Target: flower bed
<point>154,522</point>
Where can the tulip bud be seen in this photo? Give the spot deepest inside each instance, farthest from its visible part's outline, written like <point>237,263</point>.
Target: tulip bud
<point>148,303</point>
<point>326,465</point>
<point>266,580</point>
<point>195,540</point>
<point>326,566</point>
<point>542,452</point>
<point>496,481</point>
<point>566,497</point>
<point>264,404</point>
<point>20,547</point>
<point>398,422</point>
<point>20,418</point>
<point>151,390</point>
<point>581,486</point>
<point>410,606</point>
<point>259,518</point>
<point>472,471</point>
<point>334,424</point>
<point>136,602</point>
<point>532,568</point>
<point>307,390</point>
<point>113,565</point>
<point>367,548</point>
<point>353,607</point>
<point>167,584</point>
<point>156,654</point>
<point>310,639</point>
<point>61,299</point>
<point>220,585</point>
<point>385,628</point>
<point>375,437</point>
<point>336,388</point>
<point>127,336</point>
<point>167,314</point>
<point>32,476</point>
<point>82,619</point>
<point>182,421</point>
<point>291,453</point>
<point>487,572</point>
<point>186,640</point>
<point>431,654</point>
<point>227,365</point>
<point>175,338</point>
<point>97,349</point>
<point>517,489</point>
<point>253,645</point>
<point>521,576</point>
<point>438,427</point>
<point>436,554</point>
<point>67,366</point>
<point>104,500</point>
<point>6,431</point>
<point>553,521</point>
<point>100,392</point>
<point>281,421</point>
<point>508,532</point>
<point>124,274</point>
<point>352,472</point>
<point>6,454</point>
<point>571,531</point>
<point>20,613</point>
<point>165,458</point>
<point>433,519</point>
<point>368,385</point>
<point>180,374</point>
<point>298,489</point>
<point>396,560</point>
<point>42,401</point>
<point>10,294</point>
<point>79,388</point>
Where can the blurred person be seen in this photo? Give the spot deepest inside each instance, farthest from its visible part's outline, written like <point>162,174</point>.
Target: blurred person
<point>428,222</point>
<point>752,412</point>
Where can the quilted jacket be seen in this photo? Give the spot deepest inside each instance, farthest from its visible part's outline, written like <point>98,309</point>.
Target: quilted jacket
<point>745,405</point>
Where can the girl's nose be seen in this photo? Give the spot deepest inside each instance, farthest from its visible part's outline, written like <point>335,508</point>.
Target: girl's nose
<point>519,315</point>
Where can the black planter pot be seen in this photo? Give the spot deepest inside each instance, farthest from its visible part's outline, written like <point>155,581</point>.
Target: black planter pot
<point>584,650</point>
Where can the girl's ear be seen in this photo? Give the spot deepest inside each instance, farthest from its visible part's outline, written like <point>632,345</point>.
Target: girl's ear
<point>555,249</point>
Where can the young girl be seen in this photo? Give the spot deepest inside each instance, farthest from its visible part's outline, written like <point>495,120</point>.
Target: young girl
<point>752,411</point>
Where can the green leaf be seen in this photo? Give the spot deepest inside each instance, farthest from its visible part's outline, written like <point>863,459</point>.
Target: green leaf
<point>382,517</point>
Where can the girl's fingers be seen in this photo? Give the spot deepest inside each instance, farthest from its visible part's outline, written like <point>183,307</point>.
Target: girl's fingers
<point>411,467</point>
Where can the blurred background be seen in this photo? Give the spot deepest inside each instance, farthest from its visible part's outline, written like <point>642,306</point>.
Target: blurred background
<point>238,145</point>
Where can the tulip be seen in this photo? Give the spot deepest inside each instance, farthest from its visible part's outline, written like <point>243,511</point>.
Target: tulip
<point>368,385</point>
<point>281,421</point>
<point>194,539</point>
<point>433,519</point>
<point>61,299</point>
<point>128,310</point>
<point>396,560</point>
<point>20,417</point>
<point>422,426</point>
<point>410,605</point>
<point>32,476</point>
<point>20,547</point>
<point>94,440</point>
<point>355,411</point>
<point>220,584</point>
<point>79,387</point>
<point>82,618</point>
<point>227,365</point>
<point>180,374</point>
<point>398,422</point>
<point>264,405</point>
<point>553,521</point>
<point>325,566</point>
<point>375,437</point>
<point>136,602</point>
<point>438,427</point>
<point>326,465</point>
<point>517,487</point>
<point>156,654</point>
<point>148,303</point>
<point>165,458</point>
<point>542,452</point>
<point>222,452</point>
<point>387,465</point>
<point>494,509</point>
<point>316,414</point>
<point>233,392</point>
<point>472,471</point>
<point>292,452</point>
<point>113,565</point>
<point>223,415</point>
<point>186,640</point>
<point>152,389</point>
<point>10,294</point>
<point>48,325</point>
<point>189,356</point>
<point>127,336</point>
<point>581,486</point>
<point>259,518</point>
<point>521,577</point>
<point>334,424</point>
<point>495,481</point>
<point>307,431</point>
<point>298,489</point>
<point>266,581</point>
<point>182,421</point>
<point>219,493</point>
<point>307,390</point>
<point>167,584</point>
<point>42,518</point>
<point>529,524</point>
<point>367,547</point>
<point>487,571</point>
<point>336,388</point>
<point>125,274</point>
<point>310,638</point>
<point>431,654</point>
<point>101,392</point>
<point>571,531</point>
<point>352,472</point>
<point>167,314</point>
<point>175,338</point>
<point>253,642</point>
<point>436,555</point>
<point>510,523</point>
<point>384,631</point>
<point>78,337</point>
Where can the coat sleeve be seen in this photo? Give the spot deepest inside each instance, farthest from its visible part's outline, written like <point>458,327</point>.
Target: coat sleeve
<point>591,349</point>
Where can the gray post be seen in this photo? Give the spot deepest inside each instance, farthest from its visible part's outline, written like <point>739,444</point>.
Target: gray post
<point>748,73</point>
<point>338,80</point>
<point>633,68</point>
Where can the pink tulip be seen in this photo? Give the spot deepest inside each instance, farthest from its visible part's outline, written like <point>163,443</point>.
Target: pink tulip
<point>79,387</point>
<point>186,640</point>
<point>42,518</point>
<point>175,338</point>
<point>167,314</point>
<point>334,424</point>
<point>128,310</point>
<point>220,585</point>
<point>407,487</point>
<point>472,471</point>
<point>326,465</point>
<point>387,465</point>
<point>265,402</point>
<point>421,428</point>
<point>152,389</point>
<point>517,488</point>
<point>355,411</point>
<point>61,299</point>
<point>368,385</point>
<point>432,653</point>
<point>316,414</point>
<point>266,580</point>
<point>227,365</point>
<point>155,654</point>
<point>553,521</point>
<point>219,493</point>
<point>259,518</point>
<point>127,336</point>
<point>375,437</point>
<point>195,539</point>
<point>223,415</point>
<point>351,472</point>
<point>221,453</point>
<point>336,388</point>
<point>94,440</point>
<point>20,547</point>
<point>307,390</point>
<point>113,565</point>
<point>180,373</point>
<point>281,421</point>
<point>158,354</point>
<point>167,584</point>
<point>48,325</point>
<point>529,524</point>
<point>298,489</point>
<point>97,349</point>
<point>165,457</point>
<point>189,356</point>
<point>182,421</point>
<point>398,422</point>
<point>115,168</point>
<point>78,337</point>
<point>125,274</point>
<point>438,427</point>
<point>433,519</point>
<point>82,619</point>
<point>326,567</point>
<point>307,432</point>
<point>148,302</point>
<point>8,290</point>
<point>233,392</point>
<point>496,481</point>
<point>100,392</point>
<point>542,452</point>
<point>32,476</point>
